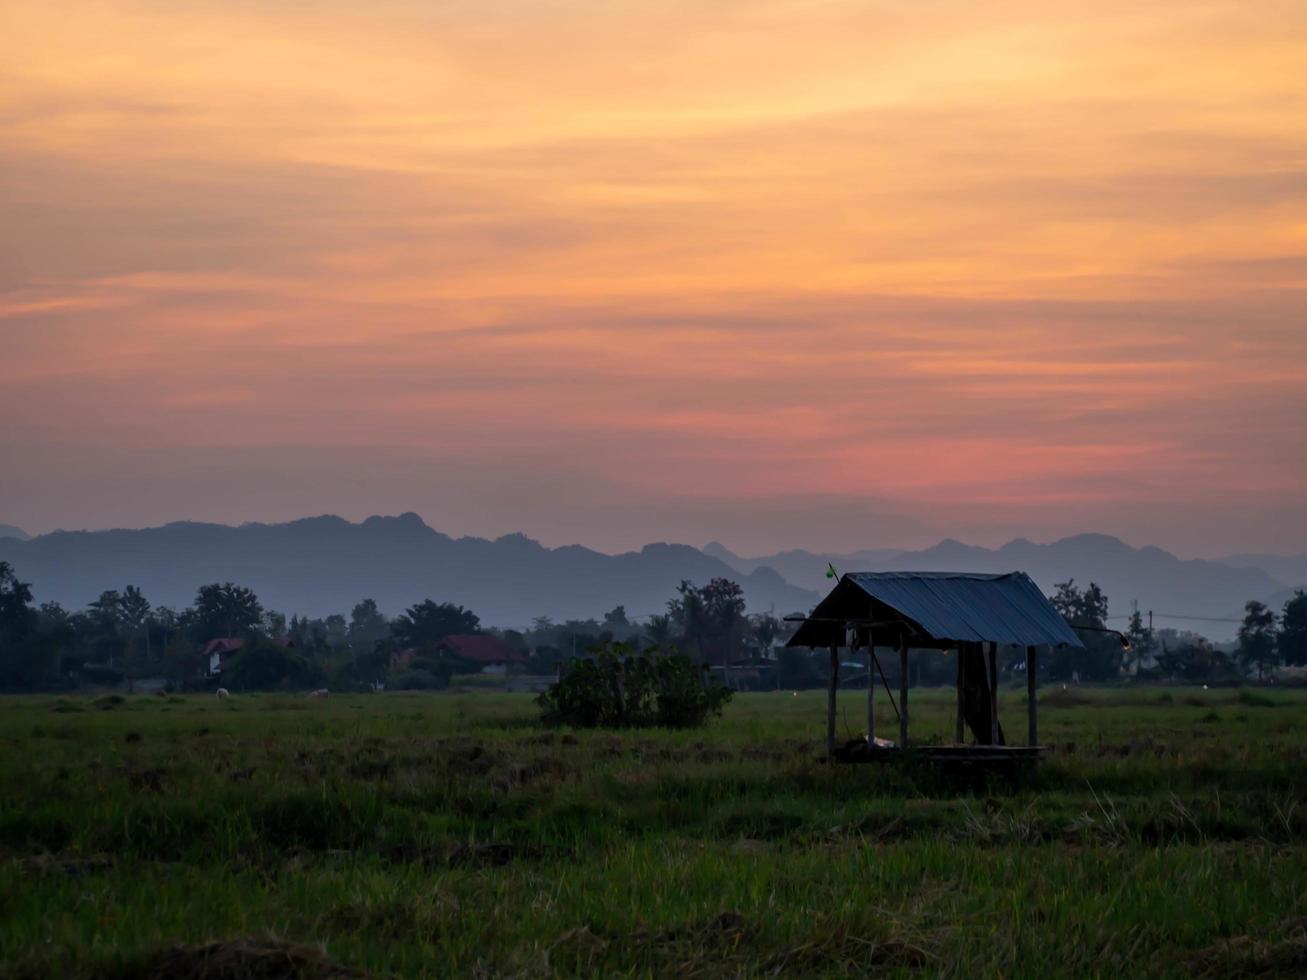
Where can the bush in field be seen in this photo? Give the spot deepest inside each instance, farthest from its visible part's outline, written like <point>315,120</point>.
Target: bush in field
<point>419,679</point>
<point>618,688</point>
<point>264,666</point>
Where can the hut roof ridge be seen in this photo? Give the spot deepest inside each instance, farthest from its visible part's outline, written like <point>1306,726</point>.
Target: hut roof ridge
<point>942,607</point>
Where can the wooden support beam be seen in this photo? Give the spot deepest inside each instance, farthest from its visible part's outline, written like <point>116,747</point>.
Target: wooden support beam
<point>1032,703</point>
<point>830,700</point>
<point>871,690</point>
<point>993,694</point>
<point>958,728</point>
<point>903,692</point>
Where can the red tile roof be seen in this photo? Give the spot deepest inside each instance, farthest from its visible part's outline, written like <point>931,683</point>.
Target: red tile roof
<point>481,648</point>
<point>224,645</point>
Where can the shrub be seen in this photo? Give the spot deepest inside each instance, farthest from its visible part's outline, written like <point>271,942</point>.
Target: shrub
<point>418,679</point>
<point>265,666</point>
<point>618,689</point>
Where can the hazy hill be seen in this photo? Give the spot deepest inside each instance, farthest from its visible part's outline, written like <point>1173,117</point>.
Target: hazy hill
<point>322,565</point>
<point>1289,569</point>
<point>9,531</point>
<point>804,568</point>
<point>1168,585</point>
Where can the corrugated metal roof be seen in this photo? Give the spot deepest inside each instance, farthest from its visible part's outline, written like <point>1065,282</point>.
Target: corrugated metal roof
<point>944,606</point>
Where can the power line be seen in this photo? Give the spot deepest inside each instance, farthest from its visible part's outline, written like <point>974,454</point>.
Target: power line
<point>1203,619</point>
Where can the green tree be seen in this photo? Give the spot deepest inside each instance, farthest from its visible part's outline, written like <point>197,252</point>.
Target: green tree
<point>133,621</point>
<point>429,622</point>
<point>226,610</point>
<point>274,623</point>
<point>660,632</point>
<point>336,631</point>
<point>366,626</point>
<point>1257,639</point>
<point>1291,641</point>
<point>133,609</point>
<point>689,619</point>
<point>1086,612</point>
<point>1142,641</point>
<point>763,631</point>
<point>16,615</point>
<point>103,628</point>
<point>615,621</point>
<point>28,654</point>
<point>710,621</point>
<point>263,665</point>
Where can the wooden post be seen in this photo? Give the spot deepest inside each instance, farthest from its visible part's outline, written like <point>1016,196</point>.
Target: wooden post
<point>958,731</point>
<point>871,690</point>
<point>1032,709</point>
<point>903,692</point>
<point>993,694</point>
<point>830,700</point>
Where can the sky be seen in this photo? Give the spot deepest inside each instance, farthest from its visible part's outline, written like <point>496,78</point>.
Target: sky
<point>782,273</point>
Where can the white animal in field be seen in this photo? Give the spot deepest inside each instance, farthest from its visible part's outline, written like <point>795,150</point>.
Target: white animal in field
<point>223,692</point>
<point>321,692</point>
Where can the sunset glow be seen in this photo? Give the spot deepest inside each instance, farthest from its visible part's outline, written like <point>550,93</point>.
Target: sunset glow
<point>784,273</point>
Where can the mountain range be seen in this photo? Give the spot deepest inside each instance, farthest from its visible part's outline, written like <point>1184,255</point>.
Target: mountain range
<point>321,565</point>
<point>1193,594</point>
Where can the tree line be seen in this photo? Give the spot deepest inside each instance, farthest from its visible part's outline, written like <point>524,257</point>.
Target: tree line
<point>121,637</point>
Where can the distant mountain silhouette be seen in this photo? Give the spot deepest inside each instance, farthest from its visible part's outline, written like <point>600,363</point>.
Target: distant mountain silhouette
<point>1274,602</point>
<point>10,531</point>
<point>806,569</point>
<point>1290,569</point>
<point>1158,579</point>
<point>322,565</point>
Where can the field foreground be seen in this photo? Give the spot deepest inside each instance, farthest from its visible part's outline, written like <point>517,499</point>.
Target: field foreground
<point>450,835</point>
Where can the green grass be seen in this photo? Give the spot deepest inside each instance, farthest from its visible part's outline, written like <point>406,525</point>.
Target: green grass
<point>449,835</point>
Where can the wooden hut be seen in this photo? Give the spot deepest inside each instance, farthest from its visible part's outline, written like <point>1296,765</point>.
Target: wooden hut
<point>971,615</point>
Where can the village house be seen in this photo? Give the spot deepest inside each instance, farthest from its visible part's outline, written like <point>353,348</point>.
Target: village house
<point>221,649</point>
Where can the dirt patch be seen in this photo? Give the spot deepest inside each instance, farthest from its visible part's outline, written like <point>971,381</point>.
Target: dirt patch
<point>730,941</point>
<point>370,769</point>
<point>145,779</point>
<point>681,950</point>
<point>845,955</point>
<point>1281,952</point>
<point>465,757</point>
<point>767,825</point>
<point>239,959</point>
<point>50,864</point>
<point>493,855</point>
<point>524,773</point>
<point>420,915</point>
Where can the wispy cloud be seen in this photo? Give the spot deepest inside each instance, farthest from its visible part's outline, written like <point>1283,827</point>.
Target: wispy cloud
<point>962,265</point>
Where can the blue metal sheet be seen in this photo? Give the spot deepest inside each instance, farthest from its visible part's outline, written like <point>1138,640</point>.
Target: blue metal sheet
<point>947,606</point>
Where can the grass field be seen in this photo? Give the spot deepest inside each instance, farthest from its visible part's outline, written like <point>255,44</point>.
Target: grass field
<point>449,835</point>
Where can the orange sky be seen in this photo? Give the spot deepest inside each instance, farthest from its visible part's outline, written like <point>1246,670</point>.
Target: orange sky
<point>782,273</point>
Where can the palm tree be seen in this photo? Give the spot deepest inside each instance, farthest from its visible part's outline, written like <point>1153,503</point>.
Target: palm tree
<point>660,632</point>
